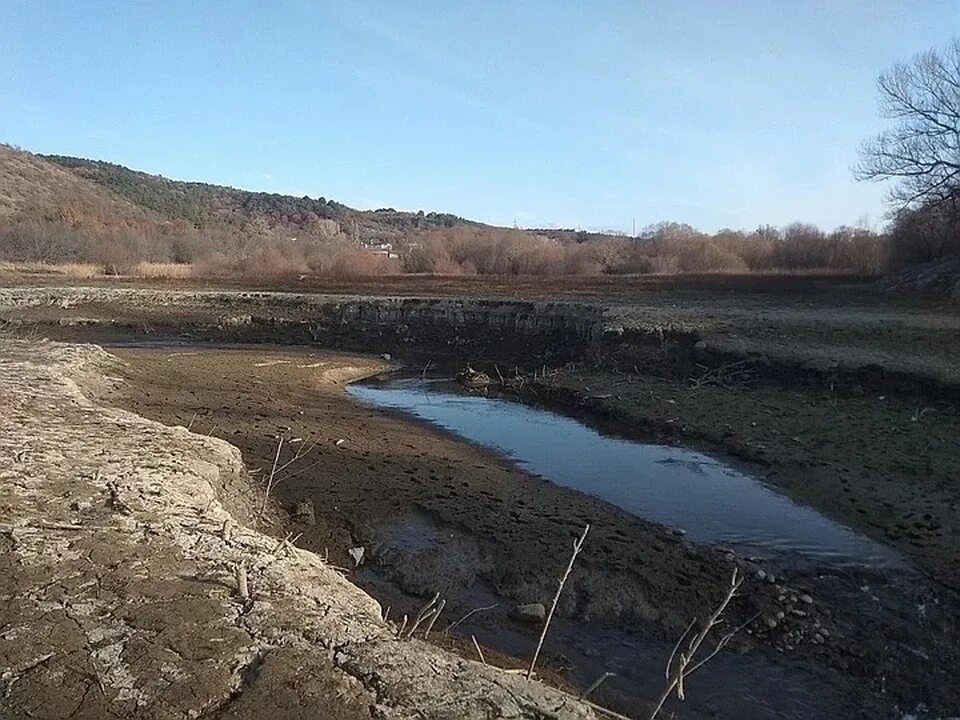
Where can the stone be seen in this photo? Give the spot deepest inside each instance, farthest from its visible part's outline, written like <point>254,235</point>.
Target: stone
<point>531,613</point>
<point>806,599</point>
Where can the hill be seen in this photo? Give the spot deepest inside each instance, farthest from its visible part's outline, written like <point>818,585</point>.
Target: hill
<point>32,189</point>
<point>207,206</point>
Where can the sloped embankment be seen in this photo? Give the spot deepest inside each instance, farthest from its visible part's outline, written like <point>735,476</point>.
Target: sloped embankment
<point>119,595</point>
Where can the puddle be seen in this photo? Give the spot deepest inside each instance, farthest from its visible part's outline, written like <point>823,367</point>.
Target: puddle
<point>714,502</point>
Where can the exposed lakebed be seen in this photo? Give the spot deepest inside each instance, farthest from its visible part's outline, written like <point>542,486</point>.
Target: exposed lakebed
<point>713,502</point>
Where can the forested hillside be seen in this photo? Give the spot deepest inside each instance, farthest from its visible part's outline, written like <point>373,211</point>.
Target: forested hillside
<point>56,209</point>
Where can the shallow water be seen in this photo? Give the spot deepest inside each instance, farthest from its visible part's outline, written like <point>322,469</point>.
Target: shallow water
<point>714,502</point>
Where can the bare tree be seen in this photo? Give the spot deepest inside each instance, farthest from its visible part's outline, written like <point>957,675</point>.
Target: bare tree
<point>921,151</point>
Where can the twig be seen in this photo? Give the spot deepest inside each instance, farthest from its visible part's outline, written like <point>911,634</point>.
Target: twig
<point>597,683</point>
<point>680,664</point>
<point>479,651</point>
<point>273,470</point>
<point>452,625</point>
<point>425,612</point>
<point>440,606</point>
<point>577,546</point>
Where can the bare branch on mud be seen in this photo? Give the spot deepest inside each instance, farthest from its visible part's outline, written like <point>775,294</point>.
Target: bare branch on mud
<point>726,376</point>
<point>426,612</point>
<point>577,546</point>
<point>273,472</point>
<point>274,478</point>
<point>597,683</point>
<point>683,663</point>
<point>452,625</point>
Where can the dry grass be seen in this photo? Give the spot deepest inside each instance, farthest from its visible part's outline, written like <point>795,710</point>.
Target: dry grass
<point>76,271</point>
<point>163,271</point>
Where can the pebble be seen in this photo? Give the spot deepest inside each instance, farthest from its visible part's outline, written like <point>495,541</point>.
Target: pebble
<point>533,613</point>
<point>761,575</point>
<point>771,623</point>
<point>798,613</point>
<point>807,599</point>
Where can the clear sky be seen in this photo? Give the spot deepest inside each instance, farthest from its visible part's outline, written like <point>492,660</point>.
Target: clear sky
<point>543,112</point>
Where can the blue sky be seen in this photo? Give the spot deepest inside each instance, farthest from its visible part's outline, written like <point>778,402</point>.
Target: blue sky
<point>547,113</point>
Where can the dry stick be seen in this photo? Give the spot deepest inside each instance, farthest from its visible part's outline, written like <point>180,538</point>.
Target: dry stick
<point>423,614</point>
<point>452,625</point>
<point>403,626</point>
<point>682,670</point>
<point>577,545</point>
<point>479,651</point>
<point>440,606</point>
<point>599,681</point>
<point>276,459</point>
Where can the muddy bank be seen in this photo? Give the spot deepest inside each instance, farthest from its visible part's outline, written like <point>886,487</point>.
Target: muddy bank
<point>853,345</point>
<point>120,595</point>
<point>435,515</point>
<point>884,465</point>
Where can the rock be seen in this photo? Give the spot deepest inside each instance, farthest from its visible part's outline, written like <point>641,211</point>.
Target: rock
<point>304,512</point>
<point>771,579</point>
<point>387,356</point>
<point>761,575</point>
<point>771,623</point>
<point>806,599</point>
<point>679,531</point>
<point>356,554</point>
<point>473,379</point>
<point>531,613</point>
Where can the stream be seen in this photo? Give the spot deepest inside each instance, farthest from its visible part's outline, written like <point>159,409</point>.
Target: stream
<point>710,501</point>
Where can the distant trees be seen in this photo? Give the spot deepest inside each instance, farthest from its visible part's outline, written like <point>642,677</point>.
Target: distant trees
<point>666,248</point>
<point>920,153</point>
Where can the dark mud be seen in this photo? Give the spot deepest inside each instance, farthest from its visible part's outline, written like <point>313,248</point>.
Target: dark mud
<point>478,526</point>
